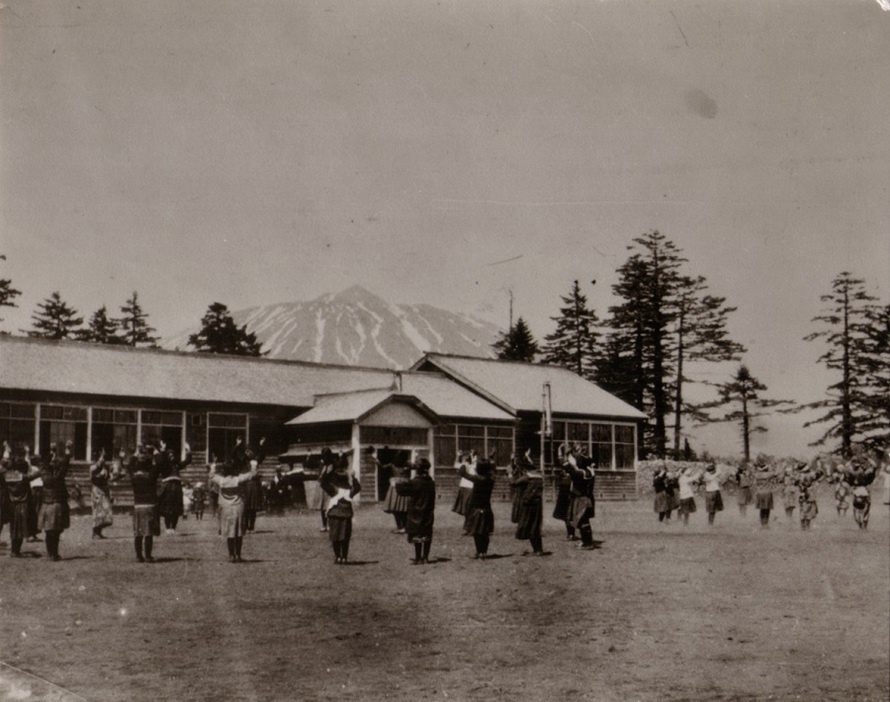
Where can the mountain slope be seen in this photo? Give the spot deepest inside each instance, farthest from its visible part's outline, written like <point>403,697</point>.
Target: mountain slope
<point>356,327</point>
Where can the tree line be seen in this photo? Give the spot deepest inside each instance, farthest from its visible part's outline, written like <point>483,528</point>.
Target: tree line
<point>665,324</point>
<point>648,350</point>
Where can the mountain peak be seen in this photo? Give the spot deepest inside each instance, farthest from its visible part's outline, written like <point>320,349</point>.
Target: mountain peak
<point>357,327</point>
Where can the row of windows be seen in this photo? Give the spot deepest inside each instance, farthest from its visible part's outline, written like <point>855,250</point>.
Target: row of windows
<point>486,441</point>
<point>611,446</point>
<point>92,429</point>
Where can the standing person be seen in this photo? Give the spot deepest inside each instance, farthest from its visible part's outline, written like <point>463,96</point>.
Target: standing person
<point>396,503</point>
<point>842,492</point>
<point>563,500</point>
<point>54,516</point>
<point>230,483</point>
<point>341,486</point>
<point>143,472</point>
<point>518,466</point>
<point>687,481</point>
<point>528,482</point>
<point>662,499</point>
<point>713,498</point>
<point>199,499</point>
<point>805,480</point>
<point>170,503</point>
<point>790,493</point>
<point>36,501</point>
<point>253,488</point>
<point>100,498</point>
<point>461,504</point>
<point>860,478</point>
<point>582,507</point>
<point>743,479</point>
<point>479,522</point>
<point>322,499</point>
<point>16,473</point>
<point>420,491</point>
<point>763,479</point>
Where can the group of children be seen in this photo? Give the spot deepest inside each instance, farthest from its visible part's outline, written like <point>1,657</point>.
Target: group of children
<point>756,483</point>
<point>158,491</point>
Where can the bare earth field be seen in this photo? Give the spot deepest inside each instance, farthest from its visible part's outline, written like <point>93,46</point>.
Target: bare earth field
<point>659,612</point>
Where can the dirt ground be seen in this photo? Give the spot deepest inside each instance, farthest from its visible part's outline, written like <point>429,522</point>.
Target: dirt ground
<point>658,612</point>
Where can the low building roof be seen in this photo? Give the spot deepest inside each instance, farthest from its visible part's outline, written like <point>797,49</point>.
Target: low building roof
<point>519,386</point>
<point>96,369</point>
<point>448,399</point>
<point>348,407</point>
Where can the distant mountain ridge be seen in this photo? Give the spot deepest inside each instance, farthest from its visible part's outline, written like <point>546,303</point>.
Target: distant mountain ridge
<point>356,327</point>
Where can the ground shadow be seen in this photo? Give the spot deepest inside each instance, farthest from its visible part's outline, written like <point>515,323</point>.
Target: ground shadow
<point>360,563</point>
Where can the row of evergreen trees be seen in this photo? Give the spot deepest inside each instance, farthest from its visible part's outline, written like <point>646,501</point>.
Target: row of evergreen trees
<point>665,325</point>
<point>56,319</point>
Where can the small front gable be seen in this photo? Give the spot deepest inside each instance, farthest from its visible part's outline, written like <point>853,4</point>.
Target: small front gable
<point>396,414</point>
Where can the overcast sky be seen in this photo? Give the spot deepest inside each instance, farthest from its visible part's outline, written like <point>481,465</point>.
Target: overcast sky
<point>256,152</point>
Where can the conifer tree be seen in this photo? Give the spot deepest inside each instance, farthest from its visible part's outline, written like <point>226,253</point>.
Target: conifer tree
<point>220,334</point>
<point>876,378</point>
<point>846,323</point>
<point>135,330</point>
<point>54,319</point>
<point>573,344</point>
<point>7,292</point>
<point>101,329</point>
<point>517,344</point>
<point>743,391</point>
<point>700,334</point>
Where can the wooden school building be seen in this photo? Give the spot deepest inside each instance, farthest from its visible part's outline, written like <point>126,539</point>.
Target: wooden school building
<point>111,397</point>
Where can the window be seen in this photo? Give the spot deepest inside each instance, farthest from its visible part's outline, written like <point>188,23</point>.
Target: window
<point>223,431</point>
<point>17,423</point>
<point>162,426</point>
<point>60,424</point>
<point>612,446</point>
<point>393,436</point>
<point>114,430</point>
<point>484,440</point>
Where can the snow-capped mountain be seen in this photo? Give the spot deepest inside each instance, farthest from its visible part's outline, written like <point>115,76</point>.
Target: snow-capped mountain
<point>356,327</point>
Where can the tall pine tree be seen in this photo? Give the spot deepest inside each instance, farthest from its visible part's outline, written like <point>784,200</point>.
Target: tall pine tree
<point>743,392</point>
<point>8,294</point>
<point>876,379</point>
<point>517,344</point>
<point>135,330</point>
<point>845,323</point>
<point>573,344</point>
<point>700,334</point>
<point>220,334</point>
<point>101,329</point>
<point>664,321</point>
<point>55,319</point>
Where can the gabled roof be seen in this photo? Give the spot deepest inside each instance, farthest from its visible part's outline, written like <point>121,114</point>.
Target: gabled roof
<point>450,400</point>
<point>355,406</point>
<point>519,387</point>
<point>96,369</point>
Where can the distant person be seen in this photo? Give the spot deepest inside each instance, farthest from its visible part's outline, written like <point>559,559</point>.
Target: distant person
<point>143,472</point>
<point>479,522</point>
<point>528,482</point>
<point>230,482</point>
<point>398,473</point>
<point>16,473</point>
<point>688,481</point>
<point>465,485</point>
<point>519,464</point>
<point>100,497</point>
<point>254,501</point>
<point>582,507</point>
<point>763,478</point>
<point>199,500</point>
<point>54,516</point>
<point>662,504</point>
<point>339,483</point>
<point>563,500</point>
<point>170,502</point>
<point>790,493</point>
<point>860,477</point>
<point>420,491</point>
<point>744,481</point>
<point>842,492</point>
<point>806,479</point>
<point>713,498</point>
